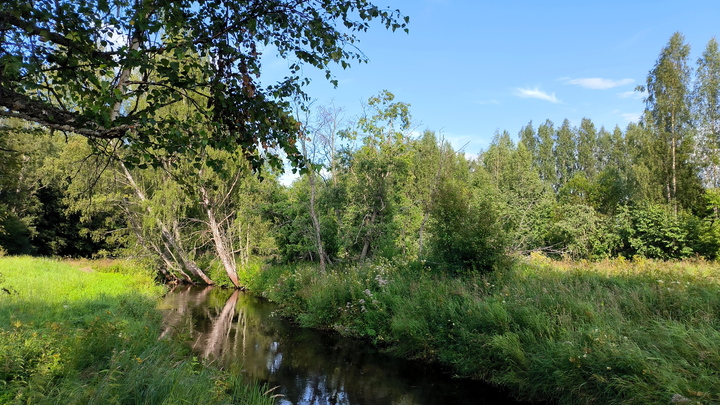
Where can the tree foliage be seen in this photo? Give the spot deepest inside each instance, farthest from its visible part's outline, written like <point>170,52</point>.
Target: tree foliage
<point>105,68</point>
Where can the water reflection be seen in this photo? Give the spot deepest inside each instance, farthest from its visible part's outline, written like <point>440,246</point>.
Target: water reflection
<point>310,367</point>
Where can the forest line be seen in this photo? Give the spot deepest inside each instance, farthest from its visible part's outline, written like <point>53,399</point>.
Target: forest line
<point>373,188</point>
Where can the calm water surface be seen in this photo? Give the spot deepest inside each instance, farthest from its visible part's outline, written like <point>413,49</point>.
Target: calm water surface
<point>240,332</point>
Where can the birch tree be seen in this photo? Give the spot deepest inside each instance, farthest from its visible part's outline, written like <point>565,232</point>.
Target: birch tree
<point>706,103</point>
<point>668,106</point>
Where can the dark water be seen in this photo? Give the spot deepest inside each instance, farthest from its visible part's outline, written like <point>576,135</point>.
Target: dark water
<point>239,331</point>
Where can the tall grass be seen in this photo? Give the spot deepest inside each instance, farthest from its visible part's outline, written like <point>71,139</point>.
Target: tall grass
<point>613,332</point>
<point>87,332</point>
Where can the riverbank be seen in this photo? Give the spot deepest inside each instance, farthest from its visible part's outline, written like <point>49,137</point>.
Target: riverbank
<point>87,332</point>
<point>612,332</point>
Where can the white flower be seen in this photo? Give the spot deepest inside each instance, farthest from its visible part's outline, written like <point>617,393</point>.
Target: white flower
<point>679,399</point>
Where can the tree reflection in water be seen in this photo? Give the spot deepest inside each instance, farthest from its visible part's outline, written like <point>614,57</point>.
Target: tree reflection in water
<point>240,333</point>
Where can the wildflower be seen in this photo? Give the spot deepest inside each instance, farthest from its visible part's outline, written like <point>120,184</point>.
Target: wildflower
<point>367,292</point>
<point>361,301</point>
<point>679,399</point>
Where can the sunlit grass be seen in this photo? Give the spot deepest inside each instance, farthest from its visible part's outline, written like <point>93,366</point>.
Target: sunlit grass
<point>616,331</point>
<point>87,332</point>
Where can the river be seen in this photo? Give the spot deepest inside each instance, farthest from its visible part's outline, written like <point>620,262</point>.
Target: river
<point>241,333</point>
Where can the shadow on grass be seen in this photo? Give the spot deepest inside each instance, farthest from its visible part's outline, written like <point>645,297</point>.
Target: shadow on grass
<point>103,350</point>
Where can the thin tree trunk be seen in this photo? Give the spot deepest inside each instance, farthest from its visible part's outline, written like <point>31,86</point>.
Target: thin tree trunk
<point>426,216</point>
<point>368,237</point>
<point>315,221</point>
<point>164,252</point>
<point>189,264</point>
<point>674,172</point>
<point>247,246</point>
<point>222,245</point>
<point>313,213</point>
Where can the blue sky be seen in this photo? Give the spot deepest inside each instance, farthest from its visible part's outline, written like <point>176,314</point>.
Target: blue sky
<point>469,68</point>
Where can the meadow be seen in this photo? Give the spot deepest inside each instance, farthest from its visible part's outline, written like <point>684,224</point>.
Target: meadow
<point>573,332</point>
<point>86,332</point>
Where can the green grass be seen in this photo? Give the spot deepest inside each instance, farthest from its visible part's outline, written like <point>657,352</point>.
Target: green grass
<point>612,332</point>
<point>87,332</point>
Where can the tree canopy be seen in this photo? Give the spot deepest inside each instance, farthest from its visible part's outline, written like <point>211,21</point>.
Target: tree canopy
<point>104,68</point>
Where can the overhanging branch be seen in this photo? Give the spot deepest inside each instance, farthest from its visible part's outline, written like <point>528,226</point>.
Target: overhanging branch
<point>23,107</point>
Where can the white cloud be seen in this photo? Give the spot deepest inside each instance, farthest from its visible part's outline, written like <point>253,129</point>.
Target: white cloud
<point>598,83</point>
<point>638,95</point>
<point>631,117</point>
<point>536,93</point>
<point>487,102</point>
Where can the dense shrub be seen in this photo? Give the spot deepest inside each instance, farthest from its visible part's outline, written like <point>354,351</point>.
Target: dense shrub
<point>653,231</point>
<point>465,231</point>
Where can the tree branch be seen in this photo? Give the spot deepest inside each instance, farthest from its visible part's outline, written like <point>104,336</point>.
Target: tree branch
<point>25,108</point>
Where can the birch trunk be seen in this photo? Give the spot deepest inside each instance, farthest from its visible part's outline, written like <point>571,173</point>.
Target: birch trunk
<point>223,247</point>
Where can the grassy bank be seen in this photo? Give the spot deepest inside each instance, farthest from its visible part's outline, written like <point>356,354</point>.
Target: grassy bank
<point>87,332</point>
<point>613,332</point>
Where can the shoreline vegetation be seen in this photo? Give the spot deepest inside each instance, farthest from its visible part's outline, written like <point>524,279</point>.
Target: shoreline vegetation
<point>574,332</point>
<point>86,332</point>
<point>615,331</point>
